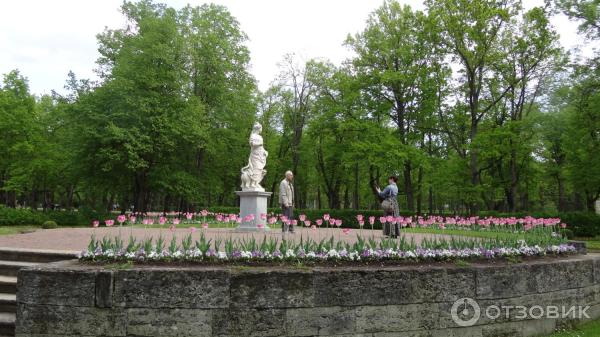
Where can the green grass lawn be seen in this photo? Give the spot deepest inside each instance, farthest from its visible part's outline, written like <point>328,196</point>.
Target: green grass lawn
<point>470,233</point>
<point>593,244</point>
<point>7,230</point>
<point>591,329</point>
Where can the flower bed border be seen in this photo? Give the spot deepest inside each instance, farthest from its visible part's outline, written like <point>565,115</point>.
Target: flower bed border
<point>195,256</point>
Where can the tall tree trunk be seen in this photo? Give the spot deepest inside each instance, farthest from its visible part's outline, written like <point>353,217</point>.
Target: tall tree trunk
<point>355,203</point>
<point>272,200</point>
<point>419,189</point>
<point>346,197</point>
<point>319,205</point>
<point>70,193</point>
<point>408,188</point>
<point>141,193</point>
<point>474,169</point>
<point>590,200</point>
<point>562,202</point>
<point>430,201</point>
<point>374,176</point>
<point>514,181</point>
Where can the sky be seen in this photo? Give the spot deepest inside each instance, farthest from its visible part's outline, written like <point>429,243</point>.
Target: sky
<point>47,39</point>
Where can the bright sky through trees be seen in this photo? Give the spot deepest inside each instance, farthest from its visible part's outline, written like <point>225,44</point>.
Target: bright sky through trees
<point>47,39</point>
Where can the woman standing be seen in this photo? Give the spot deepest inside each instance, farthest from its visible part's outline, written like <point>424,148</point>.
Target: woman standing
<point>389,195</point>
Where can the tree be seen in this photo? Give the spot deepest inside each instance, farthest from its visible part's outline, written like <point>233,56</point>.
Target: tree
<point>583,136</point>
<point>294,83</point>
<point>143,120</point>
<point>217,62</point>
<point>586,11</point>
<point>532,53</point>
<point>18,134</point>
<point>397,61</point>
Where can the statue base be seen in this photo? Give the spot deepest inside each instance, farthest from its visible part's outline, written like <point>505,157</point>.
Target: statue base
<point>253,203</point>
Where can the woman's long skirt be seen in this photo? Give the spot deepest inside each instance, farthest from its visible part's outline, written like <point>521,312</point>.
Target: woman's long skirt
<point>392,229</point>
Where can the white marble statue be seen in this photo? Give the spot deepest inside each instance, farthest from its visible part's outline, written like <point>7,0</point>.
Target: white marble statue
<point>254,172</point>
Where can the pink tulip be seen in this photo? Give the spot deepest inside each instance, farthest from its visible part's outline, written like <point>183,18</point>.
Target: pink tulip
<point>302,217</point>
<point>260,226</point>
<point>372,220</point>
<point>121,218</point>
<point>338,222</point>
<point>359,217</point>
<point>263,216</point>
<point>204,212</point>
<point>162,220</point>
<point>382,219</point>
<point>563,225</point>
<point>109,223</point>
<point>189,215</point>
<point>319,222</point>
<point>361,223</point>
<point>272,220</point>
<point>95,223</point>
<point>295,222</point>
<point>205,225</point>
<point>326,217</point>
<point>346,231</point>
<point>307,223</point>
<point>132,219</point>
<point>176,221</point>
<point>332,221</point>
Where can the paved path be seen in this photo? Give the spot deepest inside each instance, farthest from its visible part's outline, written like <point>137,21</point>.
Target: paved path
<point>76,239</point>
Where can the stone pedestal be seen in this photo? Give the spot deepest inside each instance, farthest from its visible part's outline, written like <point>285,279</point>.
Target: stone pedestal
<point>253,202</point>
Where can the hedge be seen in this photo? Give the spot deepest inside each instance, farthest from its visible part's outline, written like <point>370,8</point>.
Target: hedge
<point>26,216</point>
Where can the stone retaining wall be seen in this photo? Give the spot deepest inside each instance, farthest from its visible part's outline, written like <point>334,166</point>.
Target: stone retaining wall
<point>69,299</point>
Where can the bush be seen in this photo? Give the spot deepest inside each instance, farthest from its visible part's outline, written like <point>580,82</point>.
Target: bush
<point>567,233</point>
<point>49,224</point>
<point>582,224</point>
<point>26,216</point>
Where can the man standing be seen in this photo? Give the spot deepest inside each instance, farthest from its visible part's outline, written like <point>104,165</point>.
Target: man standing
<point>286,200</point>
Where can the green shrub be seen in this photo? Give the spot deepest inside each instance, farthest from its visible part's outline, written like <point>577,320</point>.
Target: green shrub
<point>49,224</point>
<point>567,233</point>
<point>26,216</point>
<point>582,224</point>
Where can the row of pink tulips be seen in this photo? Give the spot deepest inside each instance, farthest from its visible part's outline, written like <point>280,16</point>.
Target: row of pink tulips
<point>441,222</point>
